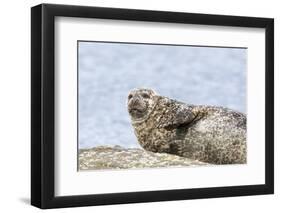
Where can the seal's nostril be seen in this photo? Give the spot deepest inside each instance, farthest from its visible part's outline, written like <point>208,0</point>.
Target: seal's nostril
<point>134,101</point>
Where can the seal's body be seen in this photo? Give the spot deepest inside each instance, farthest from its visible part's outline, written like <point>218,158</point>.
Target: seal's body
<point>206,133</point>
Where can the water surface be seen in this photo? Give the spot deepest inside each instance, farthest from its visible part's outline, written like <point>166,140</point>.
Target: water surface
<point>195,75</point>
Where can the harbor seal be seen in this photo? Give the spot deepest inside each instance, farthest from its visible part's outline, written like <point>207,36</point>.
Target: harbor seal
<point>209,134</point>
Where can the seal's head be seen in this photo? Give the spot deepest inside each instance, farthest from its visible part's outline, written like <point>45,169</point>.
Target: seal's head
<point>140,103</point>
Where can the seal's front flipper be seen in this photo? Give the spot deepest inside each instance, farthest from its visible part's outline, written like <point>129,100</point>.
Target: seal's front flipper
<point>176,115</point>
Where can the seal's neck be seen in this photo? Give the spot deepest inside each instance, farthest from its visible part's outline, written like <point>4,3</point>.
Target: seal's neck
<point>144,118</point>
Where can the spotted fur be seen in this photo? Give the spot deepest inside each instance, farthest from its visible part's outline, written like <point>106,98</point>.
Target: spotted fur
<point>207,133</point>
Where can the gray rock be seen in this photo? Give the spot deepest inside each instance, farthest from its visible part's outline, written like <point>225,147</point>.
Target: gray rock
<point>117,157</point>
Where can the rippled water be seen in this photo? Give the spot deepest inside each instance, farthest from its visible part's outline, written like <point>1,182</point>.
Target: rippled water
<point>196,75</point>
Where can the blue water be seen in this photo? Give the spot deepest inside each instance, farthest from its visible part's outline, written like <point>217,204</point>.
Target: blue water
<point>108,71</point>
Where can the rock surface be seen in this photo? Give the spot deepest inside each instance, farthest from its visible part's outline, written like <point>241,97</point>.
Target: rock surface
<point>117,157</point>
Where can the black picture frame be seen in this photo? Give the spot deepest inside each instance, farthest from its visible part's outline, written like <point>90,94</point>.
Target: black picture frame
<point>43,102</point>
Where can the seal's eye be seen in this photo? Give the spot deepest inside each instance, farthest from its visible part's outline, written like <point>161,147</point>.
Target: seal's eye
<point>145,95</point>
<point>130,96</point>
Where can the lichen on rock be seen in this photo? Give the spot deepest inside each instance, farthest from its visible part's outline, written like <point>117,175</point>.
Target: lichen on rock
<point>117,157</point>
